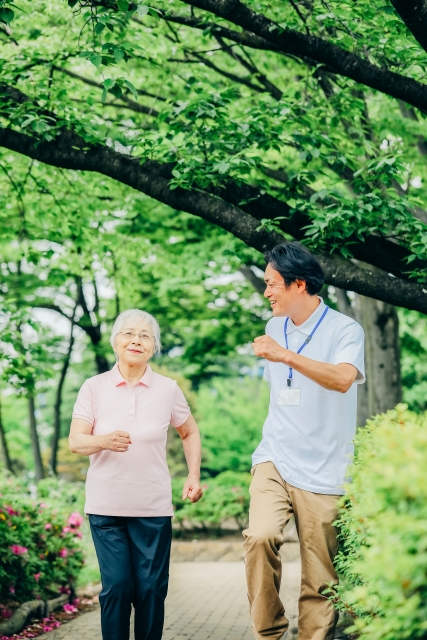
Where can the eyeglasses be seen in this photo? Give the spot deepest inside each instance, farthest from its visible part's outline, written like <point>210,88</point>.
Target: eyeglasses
<point>131,334</point>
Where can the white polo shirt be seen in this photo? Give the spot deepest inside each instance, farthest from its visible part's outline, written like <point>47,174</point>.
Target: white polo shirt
<point>311,444</point>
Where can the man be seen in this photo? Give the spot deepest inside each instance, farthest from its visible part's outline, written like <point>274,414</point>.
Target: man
<point>314,361</point>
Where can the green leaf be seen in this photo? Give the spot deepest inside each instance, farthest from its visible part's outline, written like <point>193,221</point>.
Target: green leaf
<point>6,15</point>
<point>72,3</point>
<point>142,10</point>
<point>39,126</point>
<point>109,83</point>
<point>96,60</point>
<point>99,27</point>
<point>153,13</point>
<point>131,88</point>
<point>117,91</point>
<point>118,54</point>
<point>123,5</point>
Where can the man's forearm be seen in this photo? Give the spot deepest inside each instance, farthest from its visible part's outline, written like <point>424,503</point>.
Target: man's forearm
<point>329,376</point>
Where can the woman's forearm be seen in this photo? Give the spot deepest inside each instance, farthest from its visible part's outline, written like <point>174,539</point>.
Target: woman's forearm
<point>86,445</point>
<point>193,453</point>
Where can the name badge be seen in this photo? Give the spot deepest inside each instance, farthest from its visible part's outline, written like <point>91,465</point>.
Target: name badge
<point>289,397</point>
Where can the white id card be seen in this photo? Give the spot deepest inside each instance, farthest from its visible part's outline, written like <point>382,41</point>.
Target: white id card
<point>289,396</point>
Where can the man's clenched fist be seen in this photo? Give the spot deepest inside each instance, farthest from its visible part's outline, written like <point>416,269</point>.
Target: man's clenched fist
<point>266,347</point>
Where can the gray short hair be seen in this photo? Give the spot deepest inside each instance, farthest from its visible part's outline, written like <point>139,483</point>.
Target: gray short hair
<point>134,317</point>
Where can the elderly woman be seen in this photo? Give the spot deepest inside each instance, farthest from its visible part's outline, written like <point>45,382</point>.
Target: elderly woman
<point>121,419</point>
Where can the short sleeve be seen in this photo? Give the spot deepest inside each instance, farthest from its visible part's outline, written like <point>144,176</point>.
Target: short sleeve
<point>266,374</point>
<point>180,409</point>
<point>350,349</point>
<point>83,407</point>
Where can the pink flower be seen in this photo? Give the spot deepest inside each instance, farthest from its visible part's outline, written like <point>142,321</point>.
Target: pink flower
<point>48,526</point>
<point>36,576</point>
<point>18,550</point>
<point>75,519</point>
<point>63,553</point>
<point>12,589</point>
<point>70,608</point>
<point>79,534</point>
<point>42,505</point>
<point>11,511</point>
<point>64,590</point>
<point>66,529</point>
<point>6,613</point>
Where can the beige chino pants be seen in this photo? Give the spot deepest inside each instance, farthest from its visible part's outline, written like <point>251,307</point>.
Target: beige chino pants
<point>273,502</point>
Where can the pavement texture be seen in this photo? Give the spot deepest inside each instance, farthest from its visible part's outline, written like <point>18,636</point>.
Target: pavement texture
<point>207,595</point>
<point>207,599</point>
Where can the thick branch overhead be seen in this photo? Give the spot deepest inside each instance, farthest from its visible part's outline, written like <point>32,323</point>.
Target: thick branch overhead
<point>69,152</point>
<point>339,60</point>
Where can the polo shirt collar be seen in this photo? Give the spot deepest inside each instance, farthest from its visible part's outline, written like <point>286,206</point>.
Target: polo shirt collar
<point>308,326</point>
<point>117,377</point>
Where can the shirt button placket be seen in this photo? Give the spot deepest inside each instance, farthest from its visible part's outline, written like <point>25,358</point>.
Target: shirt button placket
<point>132,403</point>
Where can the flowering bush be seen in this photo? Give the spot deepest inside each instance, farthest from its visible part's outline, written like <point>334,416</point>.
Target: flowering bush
<point>40,547</point>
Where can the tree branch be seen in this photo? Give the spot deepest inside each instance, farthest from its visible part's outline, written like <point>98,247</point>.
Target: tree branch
<point>374,249</point>
<point>131,104</point>
<point>414,15</point>
<point>338,60</point>
<point>69,151</point>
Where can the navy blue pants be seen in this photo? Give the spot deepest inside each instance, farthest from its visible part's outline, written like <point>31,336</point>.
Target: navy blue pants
<point>133,555</point>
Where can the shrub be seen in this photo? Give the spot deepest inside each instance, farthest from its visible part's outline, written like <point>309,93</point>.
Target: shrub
<point>40,548</point>
<point>231,416</point>
<point>383,525</point>
<point>225,496</point>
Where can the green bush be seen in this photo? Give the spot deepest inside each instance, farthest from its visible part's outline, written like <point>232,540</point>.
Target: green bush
<point>383,558</point>
<point>225,496</point>
<point>41,554</point>
<point>231,413</point>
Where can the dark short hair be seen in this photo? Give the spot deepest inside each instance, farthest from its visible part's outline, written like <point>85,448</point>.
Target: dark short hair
<point>294,262</point>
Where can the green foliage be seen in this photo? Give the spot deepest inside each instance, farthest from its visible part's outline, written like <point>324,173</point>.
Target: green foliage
<point>41,551</point>
<point>225,497</point>
<point>384,529</point>
<point>232,412</point>
<point>413,332</point>
<point>25,361</point>
<point>120,74</point>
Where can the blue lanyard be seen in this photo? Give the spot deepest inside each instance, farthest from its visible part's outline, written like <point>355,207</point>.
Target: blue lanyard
<point>306,341</point>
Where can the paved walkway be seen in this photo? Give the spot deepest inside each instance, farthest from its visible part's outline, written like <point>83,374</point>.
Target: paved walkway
<point>206,601</point>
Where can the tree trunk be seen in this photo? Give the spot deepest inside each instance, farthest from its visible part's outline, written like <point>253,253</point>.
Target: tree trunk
<point>35,444</point>
<point>383,387</point>
<point>93,331</point>
<point>58,401</point>
<point>5,450</point>
<point>382,352</point>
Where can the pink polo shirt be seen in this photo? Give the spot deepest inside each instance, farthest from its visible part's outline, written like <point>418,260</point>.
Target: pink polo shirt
<point>137,482</point>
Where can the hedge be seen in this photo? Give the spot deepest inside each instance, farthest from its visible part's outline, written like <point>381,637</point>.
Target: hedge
<point>383,529</point>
